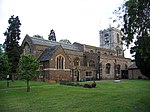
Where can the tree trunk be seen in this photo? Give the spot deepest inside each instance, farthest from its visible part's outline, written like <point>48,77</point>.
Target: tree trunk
<point>28,87</point>
<point>7,83</point>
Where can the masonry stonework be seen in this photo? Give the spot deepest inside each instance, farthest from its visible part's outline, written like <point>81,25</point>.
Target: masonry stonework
<point>74,62</point>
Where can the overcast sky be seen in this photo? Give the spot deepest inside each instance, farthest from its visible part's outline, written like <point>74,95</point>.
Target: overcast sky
<point>75,20</point>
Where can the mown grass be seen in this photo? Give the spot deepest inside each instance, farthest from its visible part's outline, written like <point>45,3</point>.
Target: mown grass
<point>18,83</point>
<point>126,96</point>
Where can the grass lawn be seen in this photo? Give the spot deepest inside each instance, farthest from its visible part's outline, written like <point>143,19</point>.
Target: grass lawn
<point>126,96</point>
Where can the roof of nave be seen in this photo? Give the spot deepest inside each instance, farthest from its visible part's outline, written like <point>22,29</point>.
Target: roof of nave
<point>41,41</point>
<point>93,47</point>
<point>48,53</point>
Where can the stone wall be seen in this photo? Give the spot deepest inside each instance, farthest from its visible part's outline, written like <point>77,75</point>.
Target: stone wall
<point>135,74</point>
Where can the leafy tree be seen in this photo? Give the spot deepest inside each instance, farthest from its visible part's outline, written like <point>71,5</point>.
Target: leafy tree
<point>4,65</point>
<point>52,35</point>
<point>136,27</point>
<point>28,68</point>
<point>38,36</point>
<point>1,48</point>
<point>11,43</point>
<point>66,41</point>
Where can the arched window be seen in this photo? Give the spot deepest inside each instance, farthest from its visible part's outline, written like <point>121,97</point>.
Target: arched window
<point>100,68</point>
<point>60,62</point>
<point>76,62</point>
<point>118,69</point>
<point>108,68</point>
<point>118,40</point>
<point>27,49</point>
<point>91,51</point>
<point>126,67</point>
<point>91,63</point>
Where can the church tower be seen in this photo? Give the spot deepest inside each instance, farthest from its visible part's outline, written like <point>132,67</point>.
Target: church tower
<point>111,39</point>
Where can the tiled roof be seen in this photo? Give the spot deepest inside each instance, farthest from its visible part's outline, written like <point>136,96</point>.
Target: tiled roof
<point>133,66</point>
<point>48,53</point>
<point>41,41</point>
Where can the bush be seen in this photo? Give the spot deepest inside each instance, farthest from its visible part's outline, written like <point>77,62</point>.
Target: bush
<point>139,77</point>
<point>93,85</point>
<point>70,83</point>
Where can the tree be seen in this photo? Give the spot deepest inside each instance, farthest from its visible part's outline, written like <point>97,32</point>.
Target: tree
<point>52,35</point>
<point>11,44</point>
<point>136,27</point>
<point>38,36</point>
<point>4,65</point>
<point>28,68</point>
<point>66,41</point>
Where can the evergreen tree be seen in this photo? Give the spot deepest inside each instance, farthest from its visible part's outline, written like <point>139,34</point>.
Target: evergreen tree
<point>52,35</point>
<point>11,44</point>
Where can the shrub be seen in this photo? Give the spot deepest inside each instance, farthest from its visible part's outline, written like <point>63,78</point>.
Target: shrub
<point>139,77</point>
<point>70,83</point>
<point>93,85</point>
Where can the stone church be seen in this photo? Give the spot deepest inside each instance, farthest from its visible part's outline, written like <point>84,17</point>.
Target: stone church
<point>79,62</point>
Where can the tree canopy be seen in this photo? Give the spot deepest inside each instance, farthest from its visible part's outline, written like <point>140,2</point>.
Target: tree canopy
<point>28,68</point>
<point>66,41</point>
<point>136,27</point>
<point>52,35</point>
<point>11,44</point>
<point>38,36</point>
<point>4,65</point>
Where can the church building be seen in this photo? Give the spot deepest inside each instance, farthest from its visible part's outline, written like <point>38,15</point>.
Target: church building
<point>79,62</point>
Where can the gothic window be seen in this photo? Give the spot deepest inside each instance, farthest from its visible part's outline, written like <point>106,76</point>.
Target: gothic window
<point>89,73</point>
<point>100,68</point>
<point>60,62</point>
<point>106,40</point>
<point>91,51</point>
<point>76,62</point>
<point>126,67</point>
<point>91,63</point>
<point>27,49</point>
<point>118,40</point>
<point>118,69</point>
<point>106,35</point>
<point>108,68</point>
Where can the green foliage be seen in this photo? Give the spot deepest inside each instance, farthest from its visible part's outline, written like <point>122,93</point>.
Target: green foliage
<point>136,24</point>
<point>70,83</point>
<point>38,36</point>
<point>66,41</point>
<point>52,35</point>
<point>1,48</point>
<point>28,68</point>
<point>4,65</point>
<point>11,44</point>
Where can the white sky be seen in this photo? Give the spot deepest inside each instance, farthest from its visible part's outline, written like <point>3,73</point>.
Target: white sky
<point>75,20</point>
